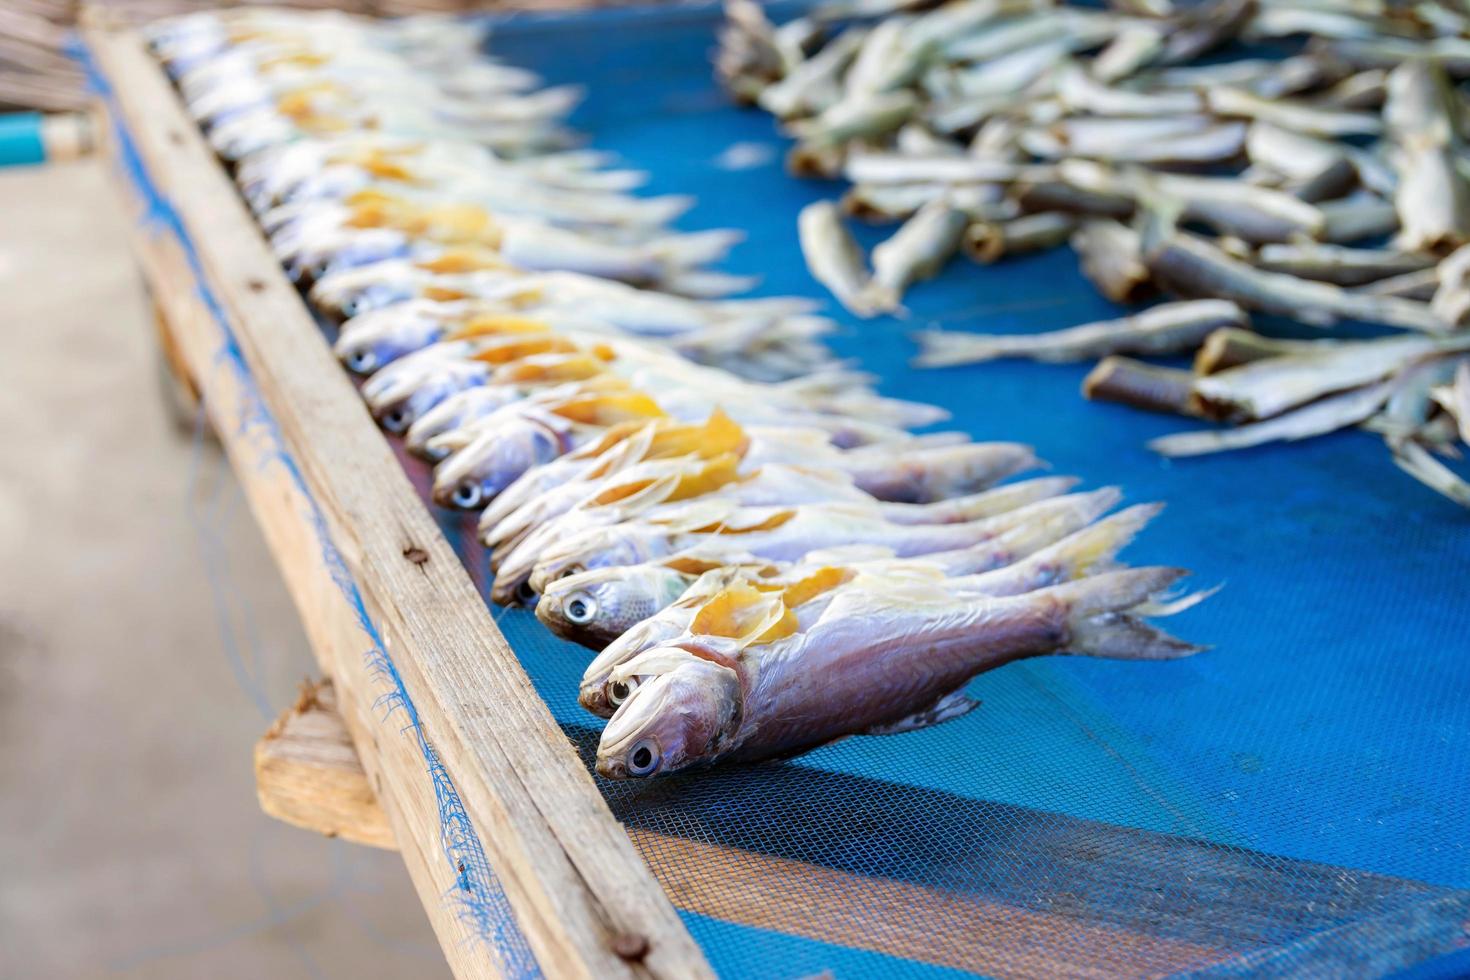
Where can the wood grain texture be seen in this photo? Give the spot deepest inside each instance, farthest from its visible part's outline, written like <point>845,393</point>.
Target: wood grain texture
<point>311,778</point>
<point>344,523</point>
<point>307,773</point>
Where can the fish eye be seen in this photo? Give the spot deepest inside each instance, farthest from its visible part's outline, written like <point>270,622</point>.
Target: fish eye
<point>466,493</point>
<point>643,758</point>
<point>526,595</point>
<point>571,570</point>
<point>396,420</point>
<point>620,691</point>
<point>362,360</point>
<point>580,608</point>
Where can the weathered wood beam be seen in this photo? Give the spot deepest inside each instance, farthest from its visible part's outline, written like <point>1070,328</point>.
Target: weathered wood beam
<point>500,824</point>
<point>307,773</point>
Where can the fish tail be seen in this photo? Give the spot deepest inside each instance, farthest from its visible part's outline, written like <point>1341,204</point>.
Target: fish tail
<point>1100,622</point>
<point>875,298</point>
<point>1035,526</point>
<point>663,209</point>
<point>947,348</point>
<point>696,248</point>
<point>1094,548</point>
<point>959,470</point>
<point>703,284</point>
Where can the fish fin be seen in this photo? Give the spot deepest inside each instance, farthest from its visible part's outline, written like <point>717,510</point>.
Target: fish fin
<point>704,284</point>
<point>1099,615</point>
<point>1094,547</point>
<point>744,614</point>
<point>955,704</point>
<point>1124,637</point>
<point>691,249</point>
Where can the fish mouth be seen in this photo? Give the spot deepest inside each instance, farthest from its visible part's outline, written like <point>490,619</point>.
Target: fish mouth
<point>594,699</point>
<point>639,762</point>
<point>515,589</point>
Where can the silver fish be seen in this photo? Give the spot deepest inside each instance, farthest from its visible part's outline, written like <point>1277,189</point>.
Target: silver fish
<point>889,664</point>
<point>1340,265</point>
<point>918,250</point>
<point>1140,385</point>
<point>1321,417</point>
<point>1167,328</point>
<point>1111,257</point>
<point>834,258</point>
<point>1193,266</point>
<point>1433,197</point>
<point>989,241</point>
<point>613,600</point>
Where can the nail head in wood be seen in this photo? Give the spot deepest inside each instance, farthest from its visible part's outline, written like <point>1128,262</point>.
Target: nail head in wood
<point>630,946</point>
<point>416,554</point>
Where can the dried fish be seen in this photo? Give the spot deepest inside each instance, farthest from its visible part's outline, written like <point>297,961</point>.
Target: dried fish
<point>1318,418</point>
<point>813,85</point>
<point>1332,183</point>
<point>1451,300</point>
<point>834,257</point>
<point>1081,92</point>
<point>1192,266</point>
<point>893,168</point>
<point>1111,255</point>
<point>918,250</point>
<point>1341,265</point>
<point>1146,386</point>
<point>1358,217</point>
<point>988,241</point>
<point>1230,348</point>
<point>1262,389</point>
<point>1298,117</point>
<point>1416,461</point>
<point>689,708</point>
<point>858,115</point>
<point>1165,140</point>
<point>1419,286</point>
<point>1163,329</point>
<point>1433,197</point>
<point>1134,47</point>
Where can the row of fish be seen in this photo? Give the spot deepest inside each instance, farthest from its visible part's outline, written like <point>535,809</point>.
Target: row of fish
<point>765,563</point>
<point>1304,159</point>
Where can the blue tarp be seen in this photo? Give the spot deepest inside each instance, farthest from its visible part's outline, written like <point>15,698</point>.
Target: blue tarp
<point>1330,723</point>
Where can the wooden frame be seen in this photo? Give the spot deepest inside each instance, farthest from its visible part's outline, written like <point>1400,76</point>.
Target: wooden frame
<point>485,796</point>
<point>499,823</point>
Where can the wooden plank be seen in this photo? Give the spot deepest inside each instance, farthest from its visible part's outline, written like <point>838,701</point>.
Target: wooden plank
<point>1219,931</point>
<point>307,773</point>
<point>372,575</point>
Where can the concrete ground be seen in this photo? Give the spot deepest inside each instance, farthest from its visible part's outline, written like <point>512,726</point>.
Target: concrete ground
<point>145,643</point>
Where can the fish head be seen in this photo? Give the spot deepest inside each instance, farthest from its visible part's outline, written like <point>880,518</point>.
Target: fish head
<point>597,607</point>
<point>530,486</point>
<point>684,711</point>
<point>472,476</point>
<point>398,405</point>
<point>371,341</point>
<point>454,412</point>
<point>513,560</point>
<point>593,548</point>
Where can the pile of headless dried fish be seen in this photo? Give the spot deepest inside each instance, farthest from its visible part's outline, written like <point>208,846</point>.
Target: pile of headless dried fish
<point>1299,158</point>
<point>727,540</point>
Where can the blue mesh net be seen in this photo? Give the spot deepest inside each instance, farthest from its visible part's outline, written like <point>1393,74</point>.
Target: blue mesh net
<point>1292,802</point>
